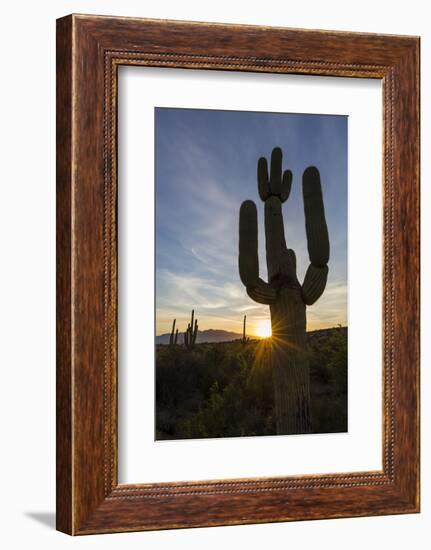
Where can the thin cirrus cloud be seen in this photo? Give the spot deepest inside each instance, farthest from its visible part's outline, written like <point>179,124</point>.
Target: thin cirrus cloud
<point>205,167</point>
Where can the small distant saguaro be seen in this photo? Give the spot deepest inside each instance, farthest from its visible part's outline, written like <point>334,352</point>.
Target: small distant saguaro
<point>244,338</point>
<point>174,335</point>
<point>191,332</point>
<point>286,297</point>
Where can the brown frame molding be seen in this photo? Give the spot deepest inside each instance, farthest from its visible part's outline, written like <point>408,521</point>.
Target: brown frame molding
<point>89,50</point>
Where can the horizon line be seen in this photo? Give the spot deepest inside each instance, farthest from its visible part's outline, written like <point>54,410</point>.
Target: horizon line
<point>251,334</point>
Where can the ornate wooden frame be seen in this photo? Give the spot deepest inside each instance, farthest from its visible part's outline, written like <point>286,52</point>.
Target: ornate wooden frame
<point>89,51</point>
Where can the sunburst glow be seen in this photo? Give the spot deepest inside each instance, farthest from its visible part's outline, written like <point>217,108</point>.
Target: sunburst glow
<point>263,328</point>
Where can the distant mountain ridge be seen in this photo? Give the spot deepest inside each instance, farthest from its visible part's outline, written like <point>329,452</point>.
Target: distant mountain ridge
<point>212,336</point>
<point>204,336</point>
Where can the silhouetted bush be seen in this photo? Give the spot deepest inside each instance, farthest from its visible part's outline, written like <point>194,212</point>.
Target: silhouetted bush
<point>225,389</point>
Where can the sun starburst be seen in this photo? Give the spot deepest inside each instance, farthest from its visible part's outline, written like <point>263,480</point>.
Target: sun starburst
<point>263,328</point>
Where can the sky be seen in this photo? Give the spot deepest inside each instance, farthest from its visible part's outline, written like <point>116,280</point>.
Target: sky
<point>206,163</point>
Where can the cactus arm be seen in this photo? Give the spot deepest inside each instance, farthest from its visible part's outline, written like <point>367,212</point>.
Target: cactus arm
<point>262,293</point>
<point>275,177</point>
<point>315,223</point>
<point>262,179</point>
<point>276,185</point>
<point>257,289</point>
<point>317,237</point>
<point>314,283</point>
<point>248,258</point>
<point>286,185</point>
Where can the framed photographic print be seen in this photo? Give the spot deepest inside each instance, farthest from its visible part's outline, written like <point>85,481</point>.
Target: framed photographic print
<point>237,274</point>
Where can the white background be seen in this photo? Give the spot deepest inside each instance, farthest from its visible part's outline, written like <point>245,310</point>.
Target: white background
<point>27,125</point>
<point>141,458</point>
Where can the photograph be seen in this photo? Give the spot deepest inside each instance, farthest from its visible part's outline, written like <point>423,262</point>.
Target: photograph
<point>251,282</point>
<point>213,321</point>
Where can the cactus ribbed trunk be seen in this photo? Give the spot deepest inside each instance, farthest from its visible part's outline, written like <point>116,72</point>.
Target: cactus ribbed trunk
<point>291,376</point>
<point>290,369</point>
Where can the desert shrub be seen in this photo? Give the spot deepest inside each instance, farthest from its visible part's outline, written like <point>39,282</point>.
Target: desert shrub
<point>328,370</point>
<point>225,389</point>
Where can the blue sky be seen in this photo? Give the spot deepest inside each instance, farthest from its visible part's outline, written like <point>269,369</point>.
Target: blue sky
<point>205,168</point>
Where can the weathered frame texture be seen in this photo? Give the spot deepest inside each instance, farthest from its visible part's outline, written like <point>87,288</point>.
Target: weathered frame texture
<point>89,51</point>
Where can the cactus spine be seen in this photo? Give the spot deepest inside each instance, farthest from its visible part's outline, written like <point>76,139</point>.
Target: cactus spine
<point>191,332</point>
<point>286,297</point>
<point>244,339</point>
<point>174,335</point>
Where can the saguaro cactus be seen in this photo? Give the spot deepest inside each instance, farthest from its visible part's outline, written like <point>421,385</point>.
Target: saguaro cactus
<point>244,338</point>
<point>174,335</point>
<point>286,297</point>
<point>191,332</point>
